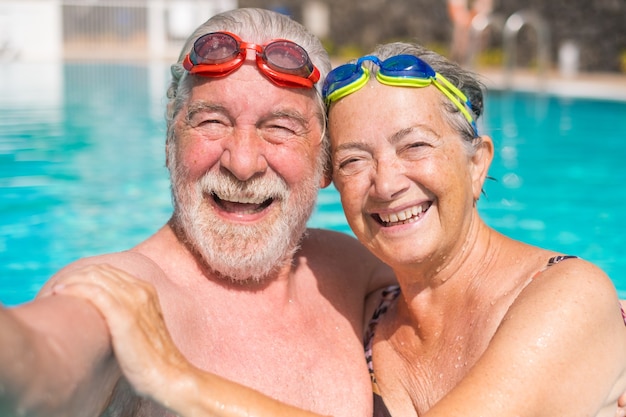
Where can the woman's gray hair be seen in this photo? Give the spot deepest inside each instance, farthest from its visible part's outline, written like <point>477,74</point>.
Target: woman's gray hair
<point>464,80</point>
<point>252,25</point>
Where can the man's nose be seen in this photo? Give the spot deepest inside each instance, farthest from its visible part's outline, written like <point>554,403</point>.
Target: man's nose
<point>244,155</point>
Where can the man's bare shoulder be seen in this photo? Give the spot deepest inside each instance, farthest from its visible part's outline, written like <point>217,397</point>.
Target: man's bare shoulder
<point>133,262</point>
<point>336,246</point>
<point>346,256</point>
<point>140,261</point>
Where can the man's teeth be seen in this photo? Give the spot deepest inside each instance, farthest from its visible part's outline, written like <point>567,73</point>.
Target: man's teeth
<point>243,199</point>
<point>402,216</point>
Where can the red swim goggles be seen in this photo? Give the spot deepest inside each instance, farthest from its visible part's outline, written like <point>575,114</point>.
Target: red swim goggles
<point>285,63</point>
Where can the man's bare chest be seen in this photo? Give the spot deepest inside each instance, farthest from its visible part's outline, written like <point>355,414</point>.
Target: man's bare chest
<point>311,358</point>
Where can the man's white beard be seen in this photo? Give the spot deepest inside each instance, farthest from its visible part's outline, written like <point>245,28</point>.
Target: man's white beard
<point>243,252</point>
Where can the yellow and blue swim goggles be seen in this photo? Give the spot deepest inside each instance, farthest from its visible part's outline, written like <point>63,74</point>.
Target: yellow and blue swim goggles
<point>400,71</point>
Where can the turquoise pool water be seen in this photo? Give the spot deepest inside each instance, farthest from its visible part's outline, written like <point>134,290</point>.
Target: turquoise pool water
<point>82,171</point>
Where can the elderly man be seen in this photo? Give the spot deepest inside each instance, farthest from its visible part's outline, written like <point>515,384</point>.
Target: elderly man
<point>246,290</point>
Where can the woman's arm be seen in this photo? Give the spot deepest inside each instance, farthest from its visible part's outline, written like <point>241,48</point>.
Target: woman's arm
<point>148,356</point>
<point>560,350</point>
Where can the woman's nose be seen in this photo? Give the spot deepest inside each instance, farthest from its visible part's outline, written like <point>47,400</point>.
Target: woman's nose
<point>389,179</point>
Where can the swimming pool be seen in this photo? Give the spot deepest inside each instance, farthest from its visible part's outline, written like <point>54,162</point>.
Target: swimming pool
<point>82,170</point>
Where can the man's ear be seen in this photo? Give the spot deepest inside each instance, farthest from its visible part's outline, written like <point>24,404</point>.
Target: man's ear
<point>481,161</point>
<point>327,178</point>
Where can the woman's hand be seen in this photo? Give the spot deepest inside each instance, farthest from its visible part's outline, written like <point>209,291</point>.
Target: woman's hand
<point>143,346</point>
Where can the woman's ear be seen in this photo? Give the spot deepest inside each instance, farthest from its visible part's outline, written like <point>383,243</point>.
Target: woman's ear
<point>481,161</point>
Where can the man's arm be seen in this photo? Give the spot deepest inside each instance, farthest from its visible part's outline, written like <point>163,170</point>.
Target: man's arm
<point>150,359</point>
<point>56,359</point>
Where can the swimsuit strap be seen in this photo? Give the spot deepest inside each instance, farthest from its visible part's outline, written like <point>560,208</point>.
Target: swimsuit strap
<point>553,261</point>
<point>388,296</point>
<point>556,259</point>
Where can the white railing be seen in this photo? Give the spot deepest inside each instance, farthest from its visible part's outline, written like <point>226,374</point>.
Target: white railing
<point>48,30</point>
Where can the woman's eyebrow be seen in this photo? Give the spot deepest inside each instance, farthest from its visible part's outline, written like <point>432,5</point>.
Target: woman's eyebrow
<point>425,129</point>
<point>393,139</point>
<point>397,136</point>
<point>352,145</point>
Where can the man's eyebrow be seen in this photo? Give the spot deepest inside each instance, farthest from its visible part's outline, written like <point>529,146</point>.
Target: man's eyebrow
<point>288,114</point>
<point>292,116</point>
<point>203,106</point>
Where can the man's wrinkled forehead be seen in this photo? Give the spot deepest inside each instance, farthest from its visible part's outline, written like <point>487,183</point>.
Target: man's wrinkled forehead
<point>247,88</point>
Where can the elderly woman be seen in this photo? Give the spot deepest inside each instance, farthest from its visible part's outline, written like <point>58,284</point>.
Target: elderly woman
<point>481,324</point>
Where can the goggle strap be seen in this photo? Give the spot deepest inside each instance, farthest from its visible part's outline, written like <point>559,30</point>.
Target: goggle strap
<point>456,101</point>
<point>455,95</point>
<point>451,87</point>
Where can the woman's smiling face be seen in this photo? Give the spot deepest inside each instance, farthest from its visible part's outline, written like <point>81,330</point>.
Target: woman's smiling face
<point>406,180</point>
